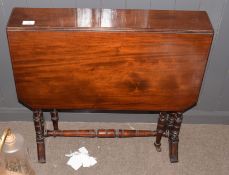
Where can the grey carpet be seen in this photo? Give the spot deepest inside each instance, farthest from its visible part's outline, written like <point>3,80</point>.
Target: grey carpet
<point>203,150</point>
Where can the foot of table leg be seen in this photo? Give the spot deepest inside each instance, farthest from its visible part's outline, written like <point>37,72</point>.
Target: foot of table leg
<point>173,151</point>
<point>174,136</point>
<point>161,127</point>
<point>39,128</point>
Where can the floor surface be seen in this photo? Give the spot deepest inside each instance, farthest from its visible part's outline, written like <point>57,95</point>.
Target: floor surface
<point>203,150</point>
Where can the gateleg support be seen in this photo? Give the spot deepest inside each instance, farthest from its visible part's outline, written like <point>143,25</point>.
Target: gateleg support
<point>161,127</point>
<point>55,119</point>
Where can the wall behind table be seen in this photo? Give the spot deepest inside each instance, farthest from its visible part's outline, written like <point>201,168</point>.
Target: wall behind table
<point>213,105</point>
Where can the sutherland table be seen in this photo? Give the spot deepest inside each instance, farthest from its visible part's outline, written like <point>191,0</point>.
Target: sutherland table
<point>109,60</point>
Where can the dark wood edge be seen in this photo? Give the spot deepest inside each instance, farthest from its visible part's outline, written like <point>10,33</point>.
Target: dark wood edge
<point>88,29</point>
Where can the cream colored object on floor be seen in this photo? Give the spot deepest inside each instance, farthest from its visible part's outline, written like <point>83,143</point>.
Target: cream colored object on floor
<point>80,158</point>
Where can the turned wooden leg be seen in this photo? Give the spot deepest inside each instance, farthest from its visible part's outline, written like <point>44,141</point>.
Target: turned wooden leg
<point>55,118</point>
<point>39,128</point>
<point>161,127</point>
<point>175,120</point>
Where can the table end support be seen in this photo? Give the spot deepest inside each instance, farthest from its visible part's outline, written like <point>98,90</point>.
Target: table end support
<point>40,138</point>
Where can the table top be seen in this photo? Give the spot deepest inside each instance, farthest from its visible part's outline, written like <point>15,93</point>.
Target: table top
<point>107,59</point>
<point>110,20</point>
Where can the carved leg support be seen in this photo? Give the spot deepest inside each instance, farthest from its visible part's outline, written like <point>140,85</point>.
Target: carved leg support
<point>168,125</point>
<point>161,127</point>
<point>175,120</point>
<point>39,128</point>
<point>55,119</point>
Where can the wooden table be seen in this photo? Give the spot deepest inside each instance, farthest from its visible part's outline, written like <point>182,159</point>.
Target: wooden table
<point>109,60</point>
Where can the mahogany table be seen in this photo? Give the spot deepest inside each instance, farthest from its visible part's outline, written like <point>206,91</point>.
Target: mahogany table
<point>109,60</point>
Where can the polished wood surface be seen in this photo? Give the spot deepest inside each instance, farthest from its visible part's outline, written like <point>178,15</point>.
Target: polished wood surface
<point>111,20</point>
<point>109,70</point>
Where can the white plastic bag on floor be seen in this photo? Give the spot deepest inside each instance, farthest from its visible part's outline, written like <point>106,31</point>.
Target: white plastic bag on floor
<point>80,158</point>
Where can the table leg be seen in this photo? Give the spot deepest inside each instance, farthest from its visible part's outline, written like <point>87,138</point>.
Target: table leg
<point>161,127</point>
<point>55,119</point>
<point>40,139</point>
<point>174,135</point>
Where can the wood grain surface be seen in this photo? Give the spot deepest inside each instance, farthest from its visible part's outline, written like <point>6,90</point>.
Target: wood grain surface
<point>108,70</point>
